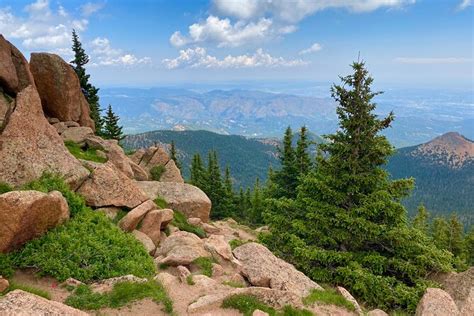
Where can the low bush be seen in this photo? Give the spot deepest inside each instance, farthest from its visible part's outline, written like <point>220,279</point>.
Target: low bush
<point>83,153</point>
<point>328,296</point>
<point>87,247</point>
<point>205,265</point>
<point>156,172</point>
<point>121,294</point>
<point>247,304</point>
<point>181,222</point>
<point>4,188</point>
<point>6,265</point>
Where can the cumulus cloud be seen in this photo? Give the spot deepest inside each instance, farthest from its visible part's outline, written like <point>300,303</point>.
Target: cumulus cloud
<point>433,60</point>
<point>464,4</point>
<point>223,32</point>
<point>312,49</point>
<point>105,55</point>
<point>199,58</point>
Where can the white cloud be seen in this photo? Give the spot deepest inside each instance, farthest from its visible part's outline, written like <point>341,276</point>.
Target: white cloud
<point>433,60</point>
<point>464,4</point>
<point>104,55</point>
<point>312,49</point>
<point>199,58</point>
<point>223,32</point>
<point>91,7</point>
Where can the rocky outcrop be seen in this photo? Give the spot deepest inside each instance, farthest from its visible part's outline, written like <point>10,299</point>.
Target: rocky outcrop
<point>460,286</point>
<point>107,186</point>
<point>180,248</point>
<point>130,221</point>
<point>15,73</point>
<point>20,303</point>
<point>25,215</point>
<point>77,135</point>
<point>436,302</point>
<point>217,246</point>
<point>157,156</point>
<point>29,146</point>
<point>59,89</point>
<point>146,241</point>
<point>154,221</point>
<point>186,198</point>
<point>262,268</point>
<point>172,173</point>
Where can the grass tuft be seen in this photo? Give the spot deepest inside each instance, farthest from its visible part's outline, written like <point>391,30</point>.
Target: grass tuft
<point>5,187</point>
<point>122,294</point>
<point>85,154</point>
<point>181,222</point>
<point>205,265</point>
<point>156,172</point>
<point>190,280</point>
<point>330,297</point>
<point>233,284</point>
<point>234,243</point>
<point>27,288</point>
<point>247,304</point>
<point>160,202</point>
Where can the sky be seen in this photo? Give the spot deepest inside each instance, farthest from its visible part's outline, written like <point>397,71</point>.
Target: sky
<point>144,43</point>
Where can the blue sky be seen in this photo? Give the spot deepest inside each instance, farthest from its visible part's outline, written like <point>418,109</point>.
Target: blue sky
<point>149,43</point>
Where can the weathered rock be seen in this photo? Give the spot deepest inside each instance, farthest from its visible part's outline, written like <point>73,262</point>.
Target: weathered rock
<point>183,273</point>
<point>107,186</point>
<point>72,282</point>
<point>348,296</point>
<point>460,286</point>
<point>101,154</point>
<point>137,156</point>
<point>29,146</point>
<point>77,135</point>
<point>130,221</point>
<point>436,302</point>
<point>146,241</point>
<point>107,284</point>
<point>467,307</point>
<point>60,127</point>
<point>217,245</point>
<point>258,312</point>
<point>166,279</point>
<point>111,212</point>
<point>4,284</point>
<point>217,270</point>
<point>154,221</point>
<point>172,173</point>
<point>23,303</point>
<point>139,173</point>
<point>71,124</point>
<point>15,73</point>
<point>6,105</point>
<point>377,312</point>
<point>210,229</point>
<point>25,215</point>
<point>194,221</point>
<point>59,89</point>
<point>186,198</point>
<point>53,120</point>
<point>154,156</point>
<point>262,268</point>
<point>238,278</point>
<point>181,248</point>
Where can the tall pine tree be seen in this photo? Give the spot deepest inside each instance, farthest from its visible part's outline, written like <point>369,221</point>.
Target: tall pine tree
<point>112,129</point>
<point>286,179</point>
<point>90,92</point>
<point>303,160</point>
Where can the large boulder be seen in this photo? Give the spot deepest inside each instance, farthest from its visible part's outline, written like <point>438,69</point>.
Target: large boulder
<point>25,215</point>
<point>29,145</point>
<point>262,268</point>
<point>77,135</point>
<point>60,89</point>
<point>15,73</point>
<point>181,248</point>
<point>217,245</point>
<point>460,286</point>
<point>186,198</point>
<point>130,221</point>
<point>6,105</point>
<point>172,173</point>
<point>436,302</point>
<point>22,303</point>
<point>157,156</point>
<point>108,186</point>
<point>154,221</point>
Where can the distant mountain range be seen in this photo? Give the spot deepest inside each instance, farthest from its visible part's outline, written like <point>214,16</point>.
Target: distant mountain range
<point>443,168</point>
<point>420,115</point>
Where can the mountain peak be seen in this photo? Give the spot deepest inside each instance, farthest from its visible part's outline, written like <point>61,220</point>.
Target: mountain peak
<point>451,149</point>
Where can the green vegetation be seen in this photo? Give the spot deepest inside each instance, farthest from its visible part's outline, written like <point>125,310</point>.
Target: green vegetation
<point>247,304</point>
<point>30,289</point>
<point>181,222</point>
<point>189,280</point>
<point>233,284</point>
<point>174,155</point>
<point>6,265</point>
<point>156,172</point>
<point>121,214</point>
<point>205,265</point>
<point>112,129</point>
<point>87,247</point>
<point>342,222</point>
<point>330,297</point>
<point>234,243</point>
<point>4,188</point>
<point>159,201</point>
<point>83,153</point>
<point>121,295</point>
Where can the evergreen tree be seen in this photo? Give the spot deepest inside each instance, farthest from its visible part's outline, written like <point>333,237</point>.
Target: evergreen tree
<point>456,236</point>
<point>303,161</point>
<point>420,221</point>
<point>112,129</point>
<point>215,187</point>
<point>469,246</point>
<point>198,173</point>
<point>440,233</point>
<point>90,92</point>
<point>174,155</point>
<point>346,224</point>
<point>255,215</point>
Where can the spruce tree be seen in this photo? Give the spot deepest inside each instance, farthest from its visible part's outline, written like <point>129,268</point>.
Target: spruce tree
<point>90,92</point>
<point>420,221</point>
<point>215,191</point>
<point>346,224</point>
<point>198,173</point>
<point>174,155</point>
<point>112,129</point>
<point>303,161</point>
<point>256,213</point>
<point>286,179</point>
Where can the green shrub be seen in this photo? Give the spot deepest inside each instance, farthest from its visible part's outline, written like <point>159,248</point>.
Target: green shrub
<point>247,304</point>
<point>121,294</point>
<point>5,187</point>
<point>328,296</point>
<point>156,172</point>
<point>6,265</point>
<point>205,265</point>
<point>16,286</point>
<point>83,153</point>
<point>234,243</point>
<point>159,201</point>
<point>87,247</point>
<point>181,222</point>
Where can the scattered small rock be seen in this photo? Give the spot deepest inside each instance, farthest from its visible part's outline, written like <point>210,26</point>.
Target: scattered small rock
<point>217,270</point>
